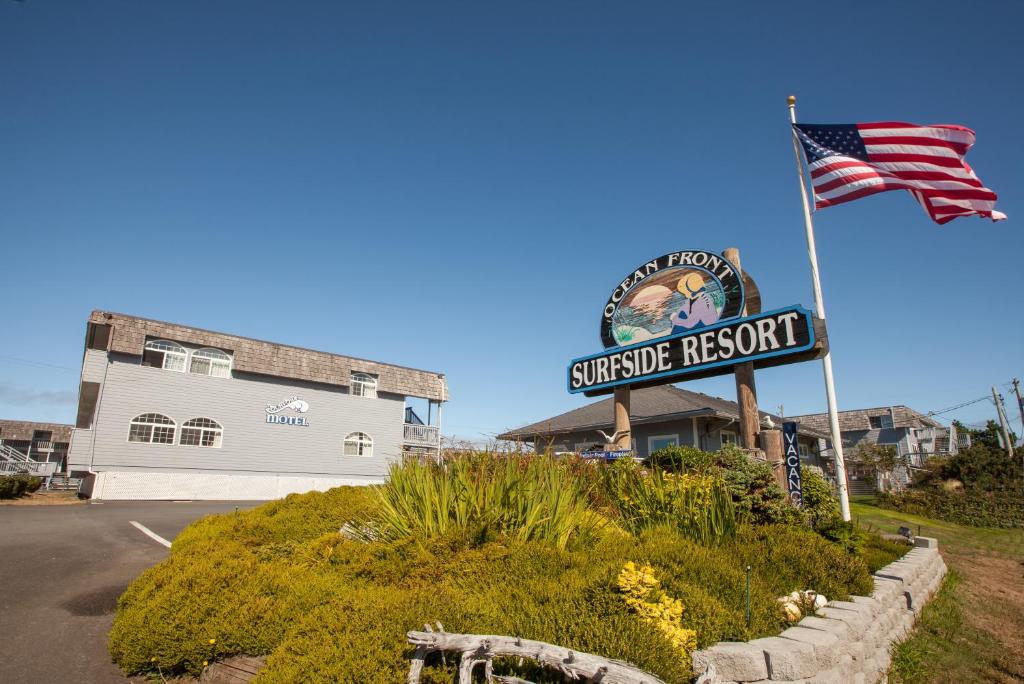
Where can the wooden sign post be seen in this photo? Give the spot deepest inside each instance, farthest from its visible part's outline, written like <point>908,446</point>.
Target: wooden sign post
<point>746,390</point>
<point>623,436</point>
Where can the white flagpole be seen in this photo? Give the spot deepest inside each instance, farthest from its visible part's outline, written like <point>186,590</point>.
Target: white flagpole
<point>819,305</point>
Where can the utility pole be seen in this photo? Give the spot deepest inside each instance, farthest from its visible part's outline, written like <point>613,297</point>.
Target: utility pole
<point>1002,421</point>
<point>1020,402</point>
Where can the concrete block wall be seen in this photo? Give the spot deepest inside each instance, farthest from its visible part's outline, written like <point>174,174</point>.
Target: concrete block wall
<point>847,641</point>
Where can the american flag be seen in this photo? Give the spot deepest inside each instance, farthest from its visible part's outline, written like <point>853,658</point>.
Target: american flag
<point>850,161</point>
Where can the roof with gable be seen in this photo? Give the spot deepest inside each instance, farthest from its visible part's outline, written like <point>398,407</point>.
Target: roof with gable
<point>648,405</point>
<point>860,419</point>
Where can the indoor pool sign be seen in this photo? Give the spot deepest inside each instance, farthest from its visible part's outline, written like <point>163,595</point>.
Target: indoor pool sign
<point>281,414</point>
<point>680,317</point>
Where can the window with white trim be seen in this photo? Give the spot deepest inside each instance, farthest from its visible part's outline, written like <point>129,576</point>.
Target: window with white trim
<point>164,354</point>
<point>358,444</point>
<point>729,438</point>
<point>364,385</point>
<point>151,428</point>
<point>201,432</point>
<point>210,361</point>
<point>658,442</point>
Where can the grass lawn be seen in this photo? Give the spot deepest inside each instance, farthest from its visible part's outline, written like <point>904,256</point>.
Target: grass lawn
<point>973,631</point>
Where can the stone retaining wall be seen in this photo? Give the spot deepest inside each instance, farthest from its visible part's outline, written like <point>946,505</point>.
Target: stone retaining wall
<point>847,641</point>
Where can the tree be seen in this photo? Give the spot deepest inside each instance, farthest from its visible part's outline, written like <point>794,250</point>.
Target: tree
<point>991,435</point>
<point>881,458</point>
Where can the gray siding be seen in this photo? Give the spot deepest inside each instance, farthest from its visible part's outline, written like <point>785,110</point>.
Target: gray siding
<point>682,428</point>
<point>250,444</point>
<point>94,365</point>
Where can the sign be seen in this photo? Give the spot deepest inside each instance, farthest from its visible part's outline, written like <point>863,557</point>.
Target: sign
<point>606,455</point>
<point>675,293</point>
<point>770,338</point>
<point>274,412</point>
<point>791,456</point>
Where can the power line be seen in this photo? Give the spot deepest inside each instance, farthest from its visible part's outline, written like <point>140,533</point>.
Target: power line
<point>27,362</point>
<point>959,406</point>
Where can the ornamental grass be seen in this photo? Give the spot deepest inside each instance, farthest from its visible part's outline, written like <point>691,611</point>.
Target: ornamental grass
<point>482,497</point>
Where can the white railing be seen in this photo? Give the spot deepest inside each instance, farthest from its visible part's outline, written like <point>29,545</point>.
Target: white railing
<point>13,461</point>
<point>425,435</point>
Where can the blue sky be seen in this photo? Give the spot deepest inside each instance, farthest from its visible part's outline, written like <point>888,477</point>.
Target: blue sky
<point>459,186</point>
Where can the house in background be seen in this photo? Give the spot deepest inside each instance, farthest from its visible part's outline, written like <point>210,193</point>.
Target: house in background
<point>40,442</point>
<point>659,416</point>
<point>915,436</point>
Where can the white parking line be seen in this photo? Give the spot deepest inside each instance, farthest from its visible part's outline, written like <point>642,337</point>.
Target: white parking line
<point>151,534</point>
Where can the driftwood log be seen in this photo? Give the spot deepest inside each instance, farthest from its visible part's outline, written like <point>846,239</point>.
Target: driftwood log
<point>482,649</point>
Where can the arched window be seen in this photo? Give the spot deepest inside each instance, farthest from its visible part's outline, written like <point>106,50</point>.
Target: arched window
<point>209,361</point>
<point>359,444</point>
<point>202,432</point>
<point>164,354</point>
<point>364,385</point>
<point>151,428</point>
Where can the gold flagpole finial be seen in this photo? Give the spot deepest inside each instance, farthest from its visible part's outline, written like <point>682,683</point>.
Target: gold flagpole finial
<point>791,100</point>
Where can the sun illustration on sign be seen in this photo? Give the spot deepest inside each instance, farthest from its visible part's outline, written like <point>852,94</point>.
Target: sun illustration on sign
<point>673,300</point>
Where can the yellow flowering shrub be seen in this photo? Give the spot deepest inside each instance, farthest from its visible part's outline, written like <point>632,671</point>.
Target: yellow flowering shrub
<point>641,592</point>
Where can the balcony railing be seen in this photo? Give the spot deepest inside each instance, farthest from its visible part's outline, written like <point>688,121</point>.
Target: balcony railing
<point>420,435</point>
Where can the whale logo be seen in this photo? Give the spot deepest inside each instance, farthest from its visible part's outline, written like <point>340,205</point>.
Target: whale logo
<point>295,404</point>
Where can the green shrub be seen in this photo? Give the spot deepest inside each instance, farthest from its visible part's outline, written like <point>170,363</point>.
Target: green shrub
<point>973,507</point>
<point>877,552</point>
<point>751,483</point>
<point>281,580</point>
<point>682,459</point>
<point>699,506</point>
<point>986,492</point>
<point>13,486</point>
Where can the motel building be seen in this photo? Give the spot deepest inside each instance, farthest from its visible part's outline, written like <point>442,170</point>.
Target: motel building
<point>659,417</point>
<point>168,411</point>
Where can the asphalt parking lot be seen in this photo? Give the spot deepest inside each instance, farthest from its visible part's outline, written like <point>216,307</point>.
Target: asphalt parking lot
<point>61,571</point>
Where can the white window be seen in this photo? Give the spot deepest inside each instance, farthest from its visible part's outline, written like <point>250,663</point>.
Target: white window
<point>803,450</point>
<point>659,442</point>
<point>359,444</point>
<point>151,428</point>
<point>209,361</point>
<point>364,385</point>
<point>729,438</point>
<point>202,432</point>
<point>164,354</point>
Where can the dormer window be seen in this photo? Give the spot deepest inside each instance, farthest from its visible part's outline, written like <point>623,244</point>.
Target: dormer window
<point>880,422</point>
<point>164,354</point>
<point>209,361</point>
<point>364,385</point>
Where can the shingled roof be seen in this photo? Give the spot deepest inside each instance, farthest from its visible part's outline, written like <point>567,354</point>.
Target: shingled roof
<point>270,358</point>
<point>22,430</point>
<point>859,419</point>
<point>649,405</point>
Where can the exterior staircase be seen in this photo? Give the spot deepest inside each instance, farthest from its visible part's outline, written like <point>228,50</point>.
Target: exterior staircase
<point>13,462</point>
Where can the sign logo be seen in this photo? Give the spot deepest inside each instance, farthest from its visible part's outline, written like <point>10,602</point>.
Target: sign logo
<point>791,454</point>
<point>295,404</point>
<point>764,338</point>
<point>676,293</point>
